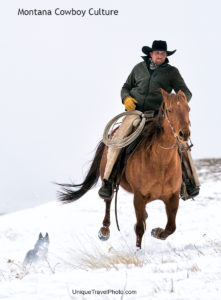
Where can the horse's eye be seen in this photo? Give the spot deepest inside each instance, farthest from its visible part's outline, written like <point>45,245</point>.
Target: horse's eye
<point>170,110</point>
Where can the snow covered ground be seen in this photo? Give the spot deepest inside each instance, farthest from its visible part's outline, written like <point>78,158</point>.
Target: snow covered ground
<point>185,266</point>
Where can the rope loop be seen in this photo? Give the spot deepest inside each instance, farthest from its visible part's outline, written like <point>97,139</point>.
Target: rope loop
<point>128,139</point>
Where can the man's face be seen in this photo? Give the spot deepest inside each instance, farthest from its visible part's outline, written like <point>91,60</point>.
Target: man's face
<point>158,57</point>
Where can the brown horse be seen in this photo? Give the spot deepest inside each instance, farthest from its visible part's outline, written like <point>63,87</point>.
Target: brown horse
<point>153,170</point>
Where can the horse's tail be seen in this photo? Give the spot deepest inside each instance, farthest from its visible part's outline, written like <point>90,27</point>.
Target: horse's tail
<point>68,195</point>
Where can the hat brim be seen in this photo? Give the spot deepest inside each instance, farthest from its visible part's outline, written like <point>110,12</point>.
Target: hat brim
<point>146,50</point>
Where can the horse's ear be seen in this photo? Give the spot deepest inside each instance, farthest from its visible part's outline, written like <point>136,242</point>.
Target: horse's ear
<point>181,93</point>
<point>163,92</point>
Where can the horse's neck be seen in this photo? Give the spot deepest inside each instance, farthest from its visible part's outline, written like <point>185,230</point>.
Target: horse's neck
<point>164,150</point>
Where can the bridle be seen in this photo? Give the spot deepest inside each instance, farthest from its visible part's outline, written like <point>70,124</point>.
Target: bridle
<point>181,146</point>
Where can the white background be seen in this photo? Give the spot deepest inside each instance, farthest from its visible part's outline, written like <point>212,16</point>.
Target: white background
<point>61,78</point>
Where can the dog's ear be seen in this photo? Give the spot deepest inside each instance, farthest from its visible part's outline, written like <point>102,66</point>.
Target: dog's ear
<point>46,237</point>
<point>40,236</point>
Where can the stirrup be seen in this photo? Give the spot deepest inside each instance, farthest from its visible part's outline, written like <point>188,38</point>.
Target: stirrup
<point>106,192</point>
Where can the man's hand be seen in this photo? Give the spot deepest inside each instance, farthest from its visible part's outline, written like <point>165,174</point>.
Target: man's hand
<point>129,103</point>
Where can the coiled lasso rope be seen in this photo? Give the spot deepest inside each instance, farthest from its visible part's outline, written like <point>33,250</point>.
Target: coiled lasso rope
<point>120,143</point>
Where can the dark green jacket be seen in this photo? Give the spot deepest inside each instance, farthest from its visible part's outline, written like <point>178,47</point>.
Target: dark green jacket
<point>144,85</point>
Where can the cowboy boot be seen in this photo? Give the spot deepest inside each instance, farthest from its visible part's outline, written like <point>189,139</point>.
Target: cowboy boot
<point>188,190</point>
<point>107,189</point>
<point>190,186</point>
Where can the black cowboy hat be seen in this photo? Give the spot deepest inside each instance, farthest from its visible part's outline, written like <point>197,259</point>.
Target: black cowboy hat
<point>157,46</point>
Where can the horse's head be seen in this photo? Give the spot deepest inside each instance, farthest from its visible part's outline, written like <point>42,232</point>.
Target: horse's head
<point>176,110</point>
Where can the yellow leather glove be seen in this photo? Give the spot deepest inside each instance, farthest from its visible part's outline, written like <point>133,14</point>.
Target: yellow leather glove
<point>129,103</point>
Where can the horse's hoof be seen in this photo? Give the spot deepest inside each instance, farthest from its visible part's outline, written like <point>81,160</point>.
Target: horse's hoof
<point>103,237</point>
<point>139,251</point>
<point>104,234</point>
<point>158,233</point>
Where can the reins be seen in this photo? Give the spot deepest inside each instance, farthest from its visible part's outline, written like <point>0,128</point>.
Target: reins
<point>117,188</point>
<point>176,144</point>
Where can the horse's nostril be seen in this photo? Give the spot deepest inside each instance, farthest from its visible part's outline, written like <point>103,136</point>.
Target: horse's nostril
<point>181,134</point>
<point>184,135</point>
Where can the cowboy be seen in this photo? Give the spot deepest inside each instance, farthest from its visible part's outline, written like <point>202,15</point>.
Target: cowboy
<point>141,91</point>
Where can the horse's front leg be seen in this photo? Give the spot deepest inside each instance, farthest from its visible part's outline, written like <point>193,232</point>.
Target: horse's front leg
<point>104,232</point>
<point>141,214</point>
<point>171,209</point>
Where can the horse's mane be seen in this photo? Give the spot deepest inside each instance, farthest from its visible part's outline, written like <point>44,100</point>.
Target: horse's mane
<point>153,129</point>
<point>174,98</point>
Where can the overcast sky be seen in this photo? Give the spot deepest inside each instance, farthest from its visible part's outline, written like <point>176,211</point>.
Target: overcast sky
<point>61,78</point>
